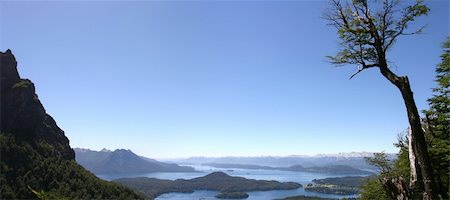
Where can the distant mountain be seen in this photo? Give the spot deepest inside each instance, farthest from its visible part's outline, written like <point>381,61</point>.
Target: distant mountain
<point>122,161</point>
<point>216,181</point>
<point>329,169</point>
<point>36,161</point>
<point>353,159</point>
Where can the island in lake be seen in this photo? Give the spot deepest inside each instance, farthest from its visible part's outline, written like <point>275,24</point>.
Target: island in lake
<point>229,186</point>
<point>347,185</point>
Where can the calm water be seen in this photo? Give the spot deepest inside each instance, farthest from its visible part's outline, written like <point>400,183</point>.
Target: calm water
<point>300,177</point>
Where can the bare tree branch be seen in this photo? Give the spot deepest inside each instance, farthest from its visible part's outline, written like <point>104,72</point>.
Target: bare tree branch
<point>363,68</point>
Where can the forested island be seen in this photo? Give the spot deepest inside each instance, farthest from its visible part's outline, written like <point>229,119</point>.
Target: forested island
<point>229,186</point>
<point>348,185</point>
<point>232,195</point>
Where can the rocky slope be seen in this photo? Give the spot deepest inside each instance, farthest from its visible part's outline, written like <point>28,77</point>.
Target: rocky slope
<point>36,159</point>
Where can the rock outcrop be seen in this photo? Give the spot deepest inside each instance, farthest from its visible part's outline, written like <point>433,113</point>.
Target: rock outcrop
<point>36,161</point>
<point>23,114</point>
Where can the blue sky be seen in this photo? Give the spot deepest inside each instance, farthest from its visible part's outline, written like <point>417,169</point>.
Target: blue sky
<point>214,78</point>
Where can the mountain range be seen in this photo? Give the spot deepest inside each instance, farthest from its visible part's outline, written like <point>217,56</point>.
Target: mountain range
<point>122,161</point>
<point>329,169</point>
<point>354,159</point>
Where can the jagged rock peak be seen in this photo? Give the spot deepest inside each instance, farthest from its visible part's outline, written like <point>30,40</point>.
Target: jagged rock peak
<point>9,74</point>
<point>23,115</point>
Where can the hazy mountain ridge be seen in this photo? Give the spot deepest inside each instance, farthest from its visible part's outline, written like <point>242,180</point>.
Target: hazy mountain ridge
<point>123,161</point>
<point>353,159</point>
<point>329,169</point>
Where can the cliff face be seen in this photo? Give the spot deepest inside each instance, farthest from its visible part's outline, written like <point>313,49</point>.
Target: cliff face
<point>23,115</point>
<point>36,160</point>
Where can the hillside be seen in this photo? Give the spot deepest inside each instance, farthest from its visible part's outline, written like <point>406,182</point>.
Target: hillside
<point>36,159</point>
<point>216,181</point>
<point>122,161</point>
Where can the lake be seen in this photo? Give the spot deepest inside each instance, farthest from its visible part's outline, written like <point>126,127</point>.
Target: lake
<point>260,174</point>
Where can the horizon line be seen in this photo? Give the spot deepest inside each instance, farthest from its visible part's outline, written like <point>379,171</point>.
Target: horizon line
<point>242,156</point>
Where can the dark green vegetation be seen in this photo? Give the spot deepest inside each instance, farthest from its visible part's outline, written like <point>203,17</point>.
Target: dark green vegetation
<point>347,181</point>
<point>301,197</point>
<point>330,169</point>
<point>372,189</point>
<point>437,125</point>
<point>232,195</point>
<point>34,165</point>
<point>340,185</point>
<point>36,159</point>
<point>367,31</point>
<point>332,189</point>
<point>122,161</point>
<point>216,181</point>
<point>437,128</point>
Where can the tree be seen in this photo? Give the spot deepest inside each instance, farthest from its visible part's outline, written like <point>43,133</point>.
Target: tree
<point>437,124</point>
<point>381,161</point>
<point>368,30</point>
<point>372,190</point>
<point>394,185</point>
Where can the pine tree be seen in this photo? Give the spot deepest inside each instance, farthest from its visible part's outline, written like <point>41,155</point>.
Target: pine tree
<point>437,124</point>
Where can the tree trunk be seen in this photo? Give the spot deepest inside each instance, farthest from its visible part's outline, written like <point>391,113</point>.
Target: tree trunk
<point>417,133</point>
<point>412,160</point>
<point>418,136</point>
<point>395,188</point>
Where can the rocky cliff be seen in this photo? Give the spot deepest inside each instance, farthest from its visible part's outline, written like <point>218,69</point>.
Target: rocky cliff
<point>23,114</point>
<point>36,160</point>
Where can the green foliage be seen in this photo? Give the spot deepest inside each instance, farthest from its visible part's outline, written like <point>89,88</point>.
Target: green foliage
<point>40,195</point>
<point>21,84</point>
<point>372,190</point>
<point>388,169</point>
<point>437,130</point>
<point>302,197</point>
<point>28,172</point>
<point>381,161</point>
<point>437,123</point>
<point>368,29</point>
<point>401,166</point>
